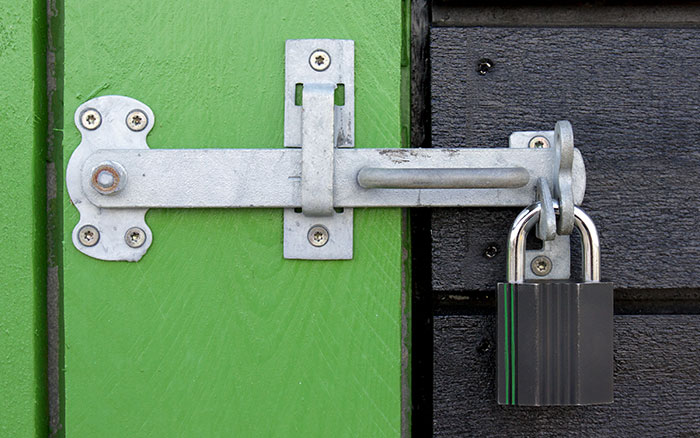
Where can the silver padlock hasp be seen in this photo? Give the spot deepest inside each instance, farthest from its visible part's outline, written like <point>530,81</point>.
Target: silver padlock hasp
<point>524,223</point>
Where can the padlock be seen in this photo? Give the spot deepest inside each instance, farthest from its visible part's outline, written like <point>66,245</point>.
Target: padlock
<point>555,338</point>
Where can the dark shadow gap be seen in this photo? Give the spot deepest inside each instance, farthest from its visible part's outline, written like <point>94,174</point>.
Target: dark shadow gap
<point>421,242</point>
<point>54,226</point>
<point>627,302</point>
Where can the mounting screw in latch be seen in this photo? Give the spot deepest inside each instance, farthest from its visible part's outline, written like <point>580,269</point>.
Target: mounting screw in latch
<point>318,235</point>
<point>109,177</point>
<point>541,266</point>
<point>320,60</point>
<point>88,235</point>
<point>137,120</point>
<point>91,119</point>
<point>135,237</point>
<point>538,142</point>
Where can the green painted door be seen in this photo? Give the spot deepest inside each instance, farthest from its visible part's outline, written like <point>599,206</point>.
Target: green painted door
<point>213,333</point>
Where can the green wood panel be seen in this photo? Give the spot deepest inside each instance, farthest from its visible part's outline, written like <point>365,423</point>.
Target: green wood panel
<point>213,333</point>
<point>22,220</point>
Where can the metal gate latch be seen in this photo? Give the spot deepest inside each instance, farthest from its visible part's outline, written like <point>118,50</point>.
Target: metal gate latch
<point>113,177</point>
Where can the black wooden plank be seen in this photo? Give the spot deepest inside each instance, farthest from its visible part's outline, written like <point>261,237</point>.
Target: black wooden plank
<point>657,383</point>
<point>633,96</point>
<point>601,13</point>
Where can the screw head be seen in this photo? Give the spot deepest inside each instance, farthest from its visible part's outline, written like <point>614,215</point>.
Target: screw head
<point>318,235</point>
<point>491,251</point>
<point>109,177</point>
<point>483,66</point>
<point>91,119</point>
<point>320,60</point>
<point>135,237</point>
<point>538,142</point>
<point>88,235</point>
<point>137,120</point>
<point>541,266</point>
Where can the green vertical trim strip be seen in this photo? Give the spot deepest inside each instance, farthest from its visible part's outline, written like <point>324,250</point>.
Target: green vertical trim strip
<point>512,342</point>
<point>505,335</point>
<point>23,219</point>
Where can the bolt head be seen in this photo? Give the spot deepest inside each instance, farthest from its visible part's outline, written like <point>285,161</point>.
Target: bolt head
<point>318,235</point>
<point>90,119</point>
<point>109,177</point>
<point>137,120</point>
<point>88,236</point>
<point>135,237</point>
<point>320,60</point>
<point>541,266</point>
<point>538,142</point>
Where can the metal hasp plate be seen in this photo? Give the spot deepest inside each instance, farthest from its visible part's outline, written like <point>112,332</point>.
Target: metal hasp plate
<point>113,177</point>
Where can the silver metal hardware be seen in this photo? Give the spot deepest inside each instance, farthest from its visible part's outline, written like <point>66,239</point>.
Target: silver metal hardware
<point>318,127</point>
<point>538,142</point>
<point>137,120</point>
<point>112,223</point>
<point>320,60</point>
<point>88,235</point>
<point>108,178</point>
<point>135,237</point>
<point>390,178</point>
<point>318,178</point>
<point>90,119</point>
<point>541,266</point>
<point>524,223</point>
<point>318,235</point>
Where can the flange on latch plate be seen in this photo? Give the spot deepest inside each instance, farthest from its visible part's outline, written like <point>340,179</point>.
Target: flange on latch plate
<point>113,234</point>
<point>113,177</point>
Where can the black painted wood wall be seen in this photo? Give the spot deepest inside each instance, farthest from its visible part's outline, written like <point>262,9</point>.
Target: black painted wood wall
<point>632,94</point>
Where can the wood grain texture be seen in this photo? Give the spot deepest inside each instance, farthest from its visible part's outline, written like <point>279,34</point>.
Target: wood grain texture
<point>657,383</point>
<point>634,100</point>
<point>213,333</point>
<point>22,220</point>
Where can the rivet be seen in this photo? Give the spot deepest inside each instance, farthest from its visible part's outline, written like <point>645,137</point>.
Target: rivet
<point>318,235</point>
<point>91,119</point>
<point>541,266</point>
<point>320,60</point>
<point>109,177</point>
<point>88,235</point>
<point>538,142</point>
<point>137,120</point>
<point>135,237</point>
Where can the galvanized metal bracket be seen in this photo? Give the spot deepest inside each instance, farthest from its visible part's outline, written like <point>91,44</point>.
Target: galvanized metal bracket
<point>113,177</point>
<point>317,125</point>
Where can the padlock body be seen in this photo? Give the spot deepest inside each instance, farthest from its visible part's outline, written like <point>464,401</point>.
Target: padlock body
<point>555,343</point>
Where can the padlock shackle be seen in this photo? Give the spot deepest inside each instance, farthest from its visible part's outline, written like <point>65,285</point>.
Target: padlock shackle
<point>524,223</point>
